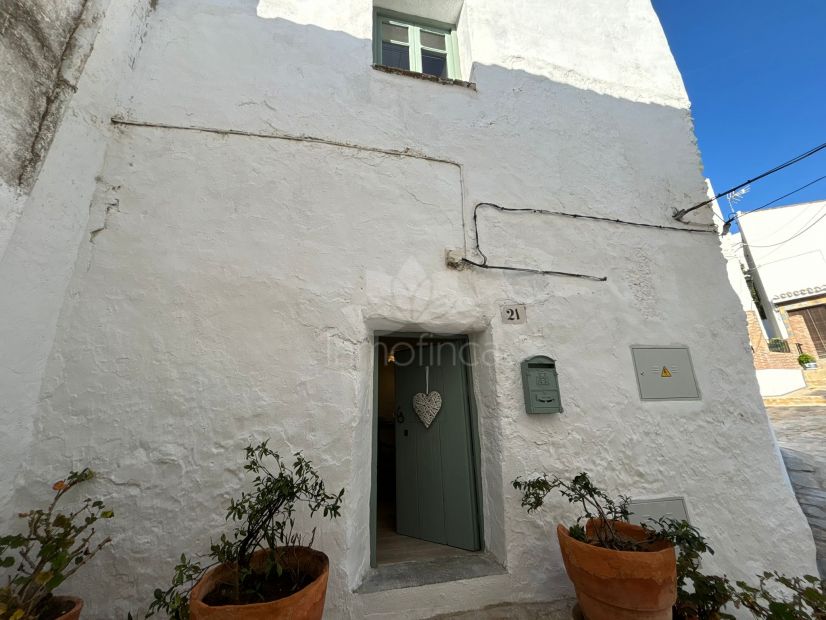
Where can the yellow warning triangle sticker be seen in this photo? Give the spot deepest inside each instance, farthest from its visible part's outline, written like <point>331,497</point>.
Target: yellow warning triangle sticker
<point>665,372</point>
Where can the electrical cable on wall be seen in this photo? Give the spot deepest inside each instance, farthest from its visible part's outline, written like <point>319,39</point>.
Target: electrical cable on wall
<point>484,264</point>
<point>277,135</point>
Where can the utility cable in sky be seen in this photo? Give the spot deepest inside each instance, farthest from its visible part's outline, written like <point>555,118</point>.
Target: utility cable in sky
<point>794,236</point>
<point>683,212</point>
<point>729,221</point>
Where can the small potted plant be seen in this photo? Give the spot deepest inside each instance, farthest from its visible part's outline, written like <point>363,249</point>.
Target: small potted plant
<point>54,546</point>
<point>619,570</point>
<point>263,569</point>
<point>807,361</point>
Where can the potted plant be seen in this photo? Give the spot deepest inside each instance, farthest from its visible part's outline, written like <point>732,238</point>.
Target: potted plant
<point>263,569</point>
<point>619,570</point>
<point>54,546</point>
<point>625,571</point>
<point>807,361</point>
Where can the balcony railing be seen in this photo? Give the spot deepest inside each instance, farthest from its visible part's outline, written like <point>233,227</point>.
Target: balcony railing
<point>778,345</point>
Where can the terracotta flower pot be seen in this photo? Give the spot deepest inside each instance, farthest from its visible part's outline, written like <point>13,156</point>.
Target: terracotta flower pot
<point>74,612</point>
<point>621,585</point>
<point>306,604</point>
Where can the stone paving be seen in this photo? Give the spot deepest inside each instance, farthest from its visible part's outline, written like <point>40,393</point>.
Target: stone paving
<point>810,396</point>
<point>801,433</point>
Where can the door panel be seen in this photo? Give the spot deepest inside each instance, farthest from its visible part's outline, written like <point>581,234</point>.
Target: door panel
<point>431,474</point>
<point>435,484</point>
<point>457,459</point>
<point>815,319</point>
<point>407,473</point>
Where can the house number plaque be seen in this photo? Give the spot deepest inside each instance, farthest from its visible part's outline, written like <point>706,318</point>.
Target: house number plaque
<point>514,315</point>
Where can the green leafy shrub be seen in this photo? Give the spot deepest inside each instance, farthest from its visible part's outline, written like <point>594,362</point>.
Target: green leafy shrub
<point>596,504</point>
<point>805,358</point>
<point>264,519</point>
<point>806,597</point>
<point>54,547</point>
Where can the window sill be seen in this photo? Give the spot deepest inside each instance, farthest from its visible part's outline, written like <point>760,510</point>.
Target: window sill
<point>425,77</point>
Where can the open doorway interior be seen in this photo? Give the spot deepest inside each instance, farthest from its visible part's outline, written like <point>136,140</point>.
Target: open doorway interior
<point>426,476</point>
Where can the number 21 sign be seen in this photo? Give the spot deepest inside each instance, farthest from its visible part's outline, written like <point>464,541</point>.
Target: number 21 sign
<point>514,315</point>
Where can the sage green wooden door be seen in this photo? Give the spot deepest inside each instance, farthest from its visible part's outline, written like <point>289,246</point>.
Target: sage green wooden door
<point>435,483</point>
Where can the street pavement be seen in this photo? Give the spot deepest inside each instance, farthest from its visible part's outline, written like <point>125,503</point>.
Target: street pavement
<point>801,433</point>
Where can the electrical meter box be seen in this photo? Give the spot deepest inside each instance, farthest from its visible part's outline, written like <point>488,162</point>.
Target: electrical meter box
<point>541,385</point>
<point>664,373</point>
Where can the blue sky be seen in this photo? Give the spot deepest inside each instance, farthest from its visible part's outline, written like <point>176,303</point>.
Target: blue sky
<point>755,71</point>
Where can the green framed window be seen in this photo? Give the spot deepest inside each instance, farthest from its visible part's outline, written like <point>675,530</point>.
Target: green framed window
<point>415,44</point>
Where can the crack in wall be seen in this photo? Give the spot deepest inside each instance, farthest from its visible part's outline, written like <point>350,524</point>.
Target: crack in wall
<point>112,205</point>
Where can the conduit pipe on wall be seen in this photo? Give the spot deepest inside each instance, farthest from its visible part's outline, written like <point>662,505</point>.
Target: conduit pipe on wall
<point>407,152</point>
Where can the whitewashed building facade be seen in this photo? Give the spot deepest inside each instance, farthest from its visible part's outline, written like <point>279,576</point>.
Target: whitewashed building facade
<point>777,266</point>
<point>234,207</point>
<point>785,251</point>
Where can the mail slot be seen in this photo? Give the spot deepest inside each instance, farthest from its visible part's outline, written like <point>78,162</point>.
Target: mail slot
<point>541,385</point>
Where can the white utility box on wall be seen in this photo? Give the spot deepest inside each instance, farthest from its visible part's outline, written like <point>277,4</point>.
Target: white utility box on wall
<point>664,373</point>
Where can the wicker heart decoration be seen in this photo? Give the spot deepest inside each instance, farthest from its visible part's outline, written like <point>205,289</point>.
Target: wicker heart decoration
<point>427,406</point>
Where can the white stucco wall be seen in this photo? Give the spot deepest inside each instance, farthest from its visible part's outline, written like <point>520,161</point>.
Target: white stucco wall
<point>787,249</point>
<point>731,246</point>
<point>40,231</point>
<point>11,205</point>
<point>227,287</point>
<point>788,245</point>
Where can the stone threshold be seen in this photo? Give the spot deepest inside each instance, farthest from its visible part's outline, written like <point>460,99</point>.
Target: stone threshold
<point>426,572</point>
<point>554,610</point>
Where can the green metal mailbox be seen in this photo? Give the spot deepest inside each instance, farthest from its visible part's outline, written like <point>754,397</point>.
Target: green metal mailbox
<point>541,385</point>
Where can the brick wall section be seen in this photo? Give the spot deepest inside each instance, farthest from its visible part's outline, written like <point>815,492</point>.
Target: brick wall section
<point>763,358</point>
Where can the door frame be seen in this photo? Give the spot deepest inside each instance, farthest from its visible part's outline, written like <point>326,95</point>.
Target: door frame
<point>475,444</point>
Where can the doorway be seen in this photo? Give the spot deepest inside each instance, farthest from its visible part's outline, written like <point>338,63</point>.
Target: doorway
<point>815,319</point>
<point>426,451</point>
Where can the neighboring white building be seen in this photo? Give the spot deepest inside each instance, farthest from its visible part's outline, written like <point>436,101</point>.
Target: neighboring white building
<point>779,272</point>
<point>237,209</point>
<point>785,251</point>
<point>777,373</point>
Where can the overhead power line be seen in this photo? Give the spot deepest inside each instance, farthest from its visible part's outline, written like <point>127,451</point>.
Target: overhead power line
<point>794,236</point>
<point>683,212</point>
<point>730,220</point>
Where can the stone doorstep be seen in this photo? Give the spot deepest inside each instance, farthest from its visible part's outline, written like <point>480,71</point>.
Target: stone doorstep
<point>557,610</point>
<point>419,573</point>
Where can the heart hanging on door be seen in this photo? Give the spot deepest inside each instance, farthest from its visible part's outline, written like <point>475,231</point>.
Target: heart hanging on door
<point>427,406</point>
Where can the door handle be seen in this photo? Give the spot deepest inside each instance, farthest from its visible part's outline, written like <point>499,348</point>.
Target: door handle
<point>399,415</point>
